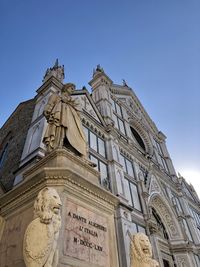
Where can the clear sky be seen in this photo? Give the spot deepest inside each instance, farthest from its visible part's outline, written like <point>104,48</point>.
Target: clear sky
<point>154,45</point>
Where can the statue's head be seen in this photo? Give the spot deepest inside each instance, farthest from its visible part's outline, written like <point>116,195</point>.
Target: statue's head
<point>141,247</point>
<point>47,204</point>
<point>68,88</point>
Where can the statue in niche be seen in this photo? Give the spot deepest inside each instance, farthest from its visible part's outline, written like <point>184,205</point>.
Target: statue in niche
<point>141,251</point>
<point>64,124</point>
<point>41,236</point>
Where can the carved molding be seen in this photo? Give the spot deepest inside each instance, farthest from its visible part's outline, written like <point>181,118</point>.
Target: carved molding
<point>167,216</point>
<point>154,186</point>
<point>182,260</point>
<point>15,199</point>
<point>93,127</point>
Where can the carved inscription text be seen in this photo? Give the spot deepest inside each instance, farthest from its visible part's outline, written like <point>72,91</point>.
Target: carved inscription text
<point>86,235</point>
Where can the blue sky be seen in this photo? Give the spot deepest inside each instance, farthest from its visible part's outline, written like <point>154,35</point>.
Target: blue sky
<point>153,44</point>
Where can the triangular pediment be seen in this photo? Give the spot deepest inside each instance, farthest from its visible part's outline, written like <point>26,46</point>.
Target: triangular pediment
<point>87,105</point>
<point>154,186</point>
<point>132,104</point>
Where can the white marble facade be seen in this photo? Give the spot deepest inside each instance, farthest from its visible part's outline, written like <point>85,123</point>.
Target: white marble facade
<point>131,154</point>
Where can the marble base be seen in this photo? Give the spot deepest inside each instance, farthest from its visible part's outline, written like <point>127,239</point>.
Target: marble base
<point>87,236</point>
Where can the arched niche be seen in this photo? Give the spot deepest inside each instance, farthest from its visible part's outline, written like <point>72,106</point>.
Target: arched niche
<point>167,216</point>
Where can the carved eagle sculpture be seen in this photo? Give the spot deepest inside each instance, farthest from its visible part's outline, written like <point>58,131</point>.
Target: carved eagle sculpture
<point>41,236</point>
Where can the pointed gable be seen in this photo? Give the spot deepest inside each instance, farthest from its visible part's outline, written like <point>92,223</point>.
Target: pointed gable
<point>155,186</point>
<point>133,106</point>
<point>87,105</point>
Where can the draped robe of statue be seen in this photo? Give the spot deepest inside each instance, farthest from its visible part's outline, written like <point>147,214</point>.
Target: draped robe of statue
<point>64,124</point>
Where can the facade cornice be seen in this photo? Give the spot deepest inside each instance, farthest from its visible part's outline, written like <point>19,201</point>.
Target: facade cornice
<point>56,177</point>
<point>92,125</point>
<point>51,81</point>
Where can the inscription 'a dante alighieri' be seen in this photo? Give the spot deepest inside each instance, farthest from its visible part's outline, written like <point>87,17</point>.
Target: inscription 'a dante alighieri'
<point>82,219</point>
<point>87,235</point>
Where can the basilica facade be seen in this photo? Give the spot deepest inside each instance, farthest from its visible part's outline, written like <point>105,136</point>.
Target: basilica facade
<point>136,187</point>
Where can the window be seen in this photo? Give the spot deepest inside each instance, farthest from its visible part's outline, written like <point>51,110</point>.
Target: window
<point>4,148</point>
<point>136,228</point>
<point>95,142</point>
<point>187,230</point>
<point>116,107</point>
<point>196,217</point>
<point>3,155</point>
<point>103,169</point>
<point>187,191</point>
<point>176,203</point>
<point>197,259</point>
<point>127,166</point>
<point>160,156</point>
<point>131,194</point>
<point>138,138</point>
<point>118,117</point>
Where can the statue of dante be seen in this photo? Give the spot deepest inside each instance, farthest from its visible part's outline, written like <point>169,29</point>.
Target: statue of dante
<point>64,125</point>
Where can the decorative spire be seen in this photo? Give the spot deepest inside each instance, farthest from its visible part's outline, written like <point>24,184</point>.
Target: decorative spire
<point>124,83</point>
<point>99,76</point>
<point>99,69</point>
<point>56,71</point>
<point>179,175</point>
<point>56,64</point>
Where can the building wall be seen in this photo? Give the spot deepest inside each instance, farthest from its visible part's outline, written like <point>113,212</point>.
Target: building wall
<point>12,137</point>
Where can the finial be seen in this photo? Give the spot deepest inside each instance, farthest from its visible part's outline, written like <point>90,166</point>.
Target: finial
<point>56,64</point>
<point>99,68</point>
<point>179,175</point>
<point>124,83</point>
<point>56,71</point>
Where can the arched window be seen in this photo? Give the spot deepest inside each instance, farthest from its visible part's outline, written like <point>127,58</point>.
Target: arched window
<point>138,138</point>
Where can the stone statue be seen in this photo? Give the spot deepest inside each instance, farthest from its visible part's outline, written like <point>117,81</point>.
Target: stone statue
<point>64,124</point>
<point>41,236</point>
<point>141,251</point>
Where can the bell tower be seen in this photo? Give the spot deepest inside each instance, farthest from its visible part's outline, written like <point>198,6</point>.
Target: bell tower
<point>56,71</point>
<point>101,93</point>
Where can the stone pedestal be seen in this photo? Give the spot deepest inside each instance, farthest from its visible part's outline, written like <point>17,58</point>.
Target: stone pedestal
<point>87,236</point>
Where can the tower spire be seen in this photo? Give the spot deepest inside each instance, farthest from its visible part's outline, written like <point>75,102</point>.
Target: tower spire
<point>57,71</point>
<point>56,64</point>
